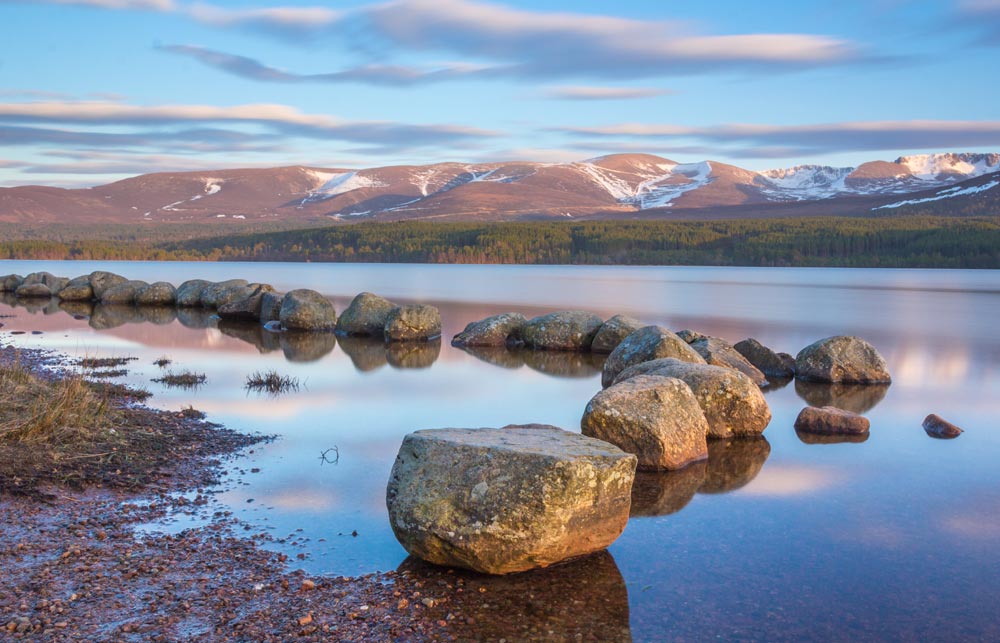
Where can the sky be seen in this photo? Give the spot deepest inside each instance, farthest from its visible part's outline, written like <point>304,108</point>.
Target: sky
<point>92,91</point>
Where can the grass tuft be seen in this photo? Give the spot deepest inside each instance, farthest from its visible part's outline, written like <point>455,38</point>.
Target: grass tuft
<point>184,379</point>
<point>271,382</point>
<point>163,362</point>
<point>105,362</point>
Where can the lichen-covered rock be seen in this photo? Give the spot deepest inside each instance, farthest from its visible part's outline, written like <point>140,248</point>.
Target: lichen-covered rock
<point>270,306</point>
<point>365,316</point>
<point>719,352</point>
<point>766,360</point>
<point>938,427</point>
<point>496,330</point>
<point>733,405</point>
<point>613,331</point>
<point>54,283</point>
<point>507,500</point>
<point>842,359</point>
<point>690,335</point>
<point>567,330</point>
<point>218,293</point>
<point>733,463</point>
<point>78,289</point>
<point>123,293</point>
<point>247,308</point>
<point>101,280</point>
<point>656,418</point>
<point>159,293</point>
<point>646,344</point>
<point>32,290</point>
<point>188,294</point>
<point>9,283</point>
<point>412,323</point>
<point>829,420</point>
<point>305,309</point>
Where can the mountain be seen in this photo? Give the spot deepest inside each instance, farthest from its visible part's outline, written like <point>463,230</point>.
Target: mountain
<point>618,185</point>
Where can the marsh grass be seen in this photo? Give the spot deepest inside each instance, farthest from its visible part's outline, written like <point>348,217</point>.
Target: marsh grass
<point>183,379</point>
<point>105,362</point>
<point>163,361</point>
<point>108,374</point>
<point>271,382</point>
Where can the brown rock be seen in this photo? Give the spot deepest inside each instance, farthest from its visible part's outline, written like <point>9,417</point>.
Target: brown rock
<point>766,360</point>
<point>937,427</point>
<point>646,344</point>
<point>842,359</point>
<point>365,316</point>
<point>613,332</point>
<point>414,322</point>
<point>830,420</point>
<point>496,330</point>
<point>719,352</point>
<point>567,330</point>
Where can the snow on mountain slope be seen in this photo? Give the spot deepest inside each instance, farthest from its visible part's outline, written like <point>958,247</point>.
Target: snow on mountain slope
<point>804,182</point>
<point>656,194</point>
<point>948,193</point>
<point>333,184</point>
<point>935,167</point>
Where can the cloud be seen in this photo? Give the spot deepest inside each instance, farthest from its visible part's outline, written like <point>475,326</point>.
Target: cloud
<point>284,22</point>
<point>581,92</point>
<point>779,140</point>
<point>133,5</point>
<point>982,16</point>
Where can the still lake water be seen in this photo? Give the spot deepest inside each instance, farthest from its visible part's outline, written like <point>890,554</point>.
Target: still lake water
<point>894,538</point>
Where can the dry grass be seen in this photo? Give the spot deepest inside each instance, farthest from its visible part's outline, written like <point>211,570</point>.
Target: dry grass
<point>108,374</point>
<point>163,361</point>
<point>105,362</point>
<point>271,382</point>
<point>184,379</point>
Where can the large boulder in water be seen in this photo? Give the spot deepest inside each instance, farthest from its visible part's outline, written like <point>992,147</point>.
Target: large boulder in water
<point>842,359</point>
<point>613,332</point>
<point>78,289</point>
<point>766,360</point>
<point>732,403</point>
<point>412,323</point>
<point>719,352</point>
<point>124,293</point>
<point>54,283</point>
<point>656,418</point>
<point>305,309</point>
<point>646,344</point>
<point>270,306</point>
<point>101,280</point>
<point>365,316</point>
<point>32,290</point>
<point>247,308</point>
<point>507,500</point>
<point>9,283</point>
<point>159,293</point>
<point>496,330</point>
<point>567,330</point>
<point>218,293</point>
<point>188,294</point>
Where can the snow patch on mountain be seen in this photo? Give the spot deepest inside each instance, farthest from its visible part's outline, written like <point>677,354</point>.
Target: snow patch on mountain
<point>949,193</point>
<point>804,182</point>
<point>651,194</point>
<point>931,167</point>
<point>336,183</point>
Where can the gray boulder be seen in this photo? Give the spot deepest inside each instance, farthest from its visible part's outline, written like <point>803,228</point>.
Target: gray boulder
<point>766,360</point>
<point>733,405</point>
<point>690,336</point>
<point>188,294</point>
<point>719,352</point>
<point>496,330</point>
<point>613,331</point>
<point>9,283</point>
<point>270,306</point>
<point>245,309</point>
<point>101,280</point>
<point>124,293</point>
<point>842,359</point>
<point>365,316</point>
<point>414,322</point>
<point>507,500</point>
<point>159,293</point>
<point>829,420</point>
<point>938,427</point>
<point>656,418</point>
<point>78,289</point>
<point>304,309</point>
<point>55,284</point>
<point>221,292</point>
<point>646,344</point>
<point>33,290</point>
<point>567,330</point>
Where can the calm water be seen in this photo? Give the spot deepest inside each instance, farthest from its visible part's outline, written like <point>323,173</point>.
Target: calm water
<point>895,538</point>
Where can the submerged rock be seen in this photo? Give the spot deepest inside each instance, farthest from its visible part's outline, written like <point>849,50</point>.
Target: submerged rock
<point>938,427</point>
<point>496,330</point>
<point>656,418</point>
<point>306,347</point>
<point>766,360</point>
<point>413,322</point>
<point>842,359</point>
<point>661,493</point>
<point>366,353</point>
<point>613,331</point>
<point>365,316</point>
<point>719,352</point>
<point>644,345</point>
<point>734,462</point>
<point>507,500</point>
<point>829,420</point>
<point>304,309</point>
<point>567,330</point>
<point>562,363</point>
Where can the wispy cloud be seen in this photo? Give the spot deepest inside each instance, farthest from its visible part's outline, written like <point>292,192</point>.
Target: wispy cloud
<point>133,5</point>
<point>982,16</point>
<point>583,92</point>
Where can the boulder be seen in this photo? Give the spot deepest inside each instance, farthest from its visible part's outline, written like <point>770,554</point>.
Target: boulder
<point>248,308</point>
<point>413,322</point>
<point>733,405</point>
<point>304,309</point>
<point>613,331</point>
<point>719,352</point>
<point>9,283</point>
<point>690,335</point>
<point>365,316</point>
<point>568,330</point>
<point>842,359</point>
<point>222,292</point>
<point>101,280</point>
<point>123,293</point>
<point>507,500</point>
<point>55,284</point>
<point>188,294</point>
<point>159,293</point>
<point>496,330</point>
<point>818,438</point>
<point>656,418</point>
<point>646,344</point>
<point>829,420</point>
<point>938,427</point>
<point>36,289</point>
<point>270,306</point>
<point>766,360</point>
<point>78,289</point>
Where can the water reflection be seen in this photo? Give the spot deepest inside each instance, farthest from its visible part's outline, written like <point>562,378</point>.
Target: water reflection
<point>196,318</point>
<point>251,333</point>
<point>306,346</point>
<point>817,438</point>
<point>555,363</point>
<point>413,354</point>
<point>731,464</point>
<point>585,599</point>
<point>857,398</point>
<point>366,353</point>
<point>77,309</point>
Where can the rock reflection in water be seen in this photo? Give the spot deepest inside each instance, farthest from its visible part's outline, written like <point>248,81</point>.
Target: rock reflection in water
<point>105,316</point>
<point>816,438</point>
<point>555,363</point>
<point>413,354</point>
<point>77,309</point>
<point>197,318</point>
<point>582,600</point>
<point>300,346</point>
<point>775,384</point>
<point>251,333</point>
<point>366,353</point>
<point>731,464</point>
<point>857,398</point>
<point>497,356</point>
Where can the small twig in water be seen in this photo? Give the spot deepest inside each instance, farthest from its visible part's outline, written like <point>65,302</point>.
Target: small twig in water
<point>324,458</point>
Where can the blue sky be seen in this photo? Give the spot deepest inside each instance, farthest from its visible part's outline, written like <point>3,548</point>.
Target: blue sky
<point>96,90</point>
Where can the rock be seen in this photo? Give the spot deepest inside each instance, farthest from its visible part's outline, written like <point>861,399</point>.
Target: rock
<point>365,316</point>
<point>829,420</point>
<point>568,330</point>
<point>159,293</point>
<point>661,493</point>
<point>33,290</point>
<point>937,427</point>
<point>766,360</point>
<point>188,294</point>
<point>613,331</point>
<point>307,310</point>
<point>248,308</point>
<point>123,293</point>
<point>656,418</point>
<point>507,500</point>
<point>719,352</point>
<point>857,398</point>
<point>270,306</point>
<point>841,359</point>
<point>100,281</point>
<point>78,289</point>
<point>733,405</point>
<point>733,463</point>
<point>644,345</point>
<point>412,354</point>
<point>690,335</point>
<point>9,283</point>
<point>413,322</point>
<point>497,330</point>
<point>215,294</point>
<point>55,284</point>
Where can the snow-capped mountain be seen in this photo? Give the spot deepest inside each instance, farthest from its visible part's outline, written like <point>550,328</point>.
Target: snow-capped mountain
<point>613,185</point>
